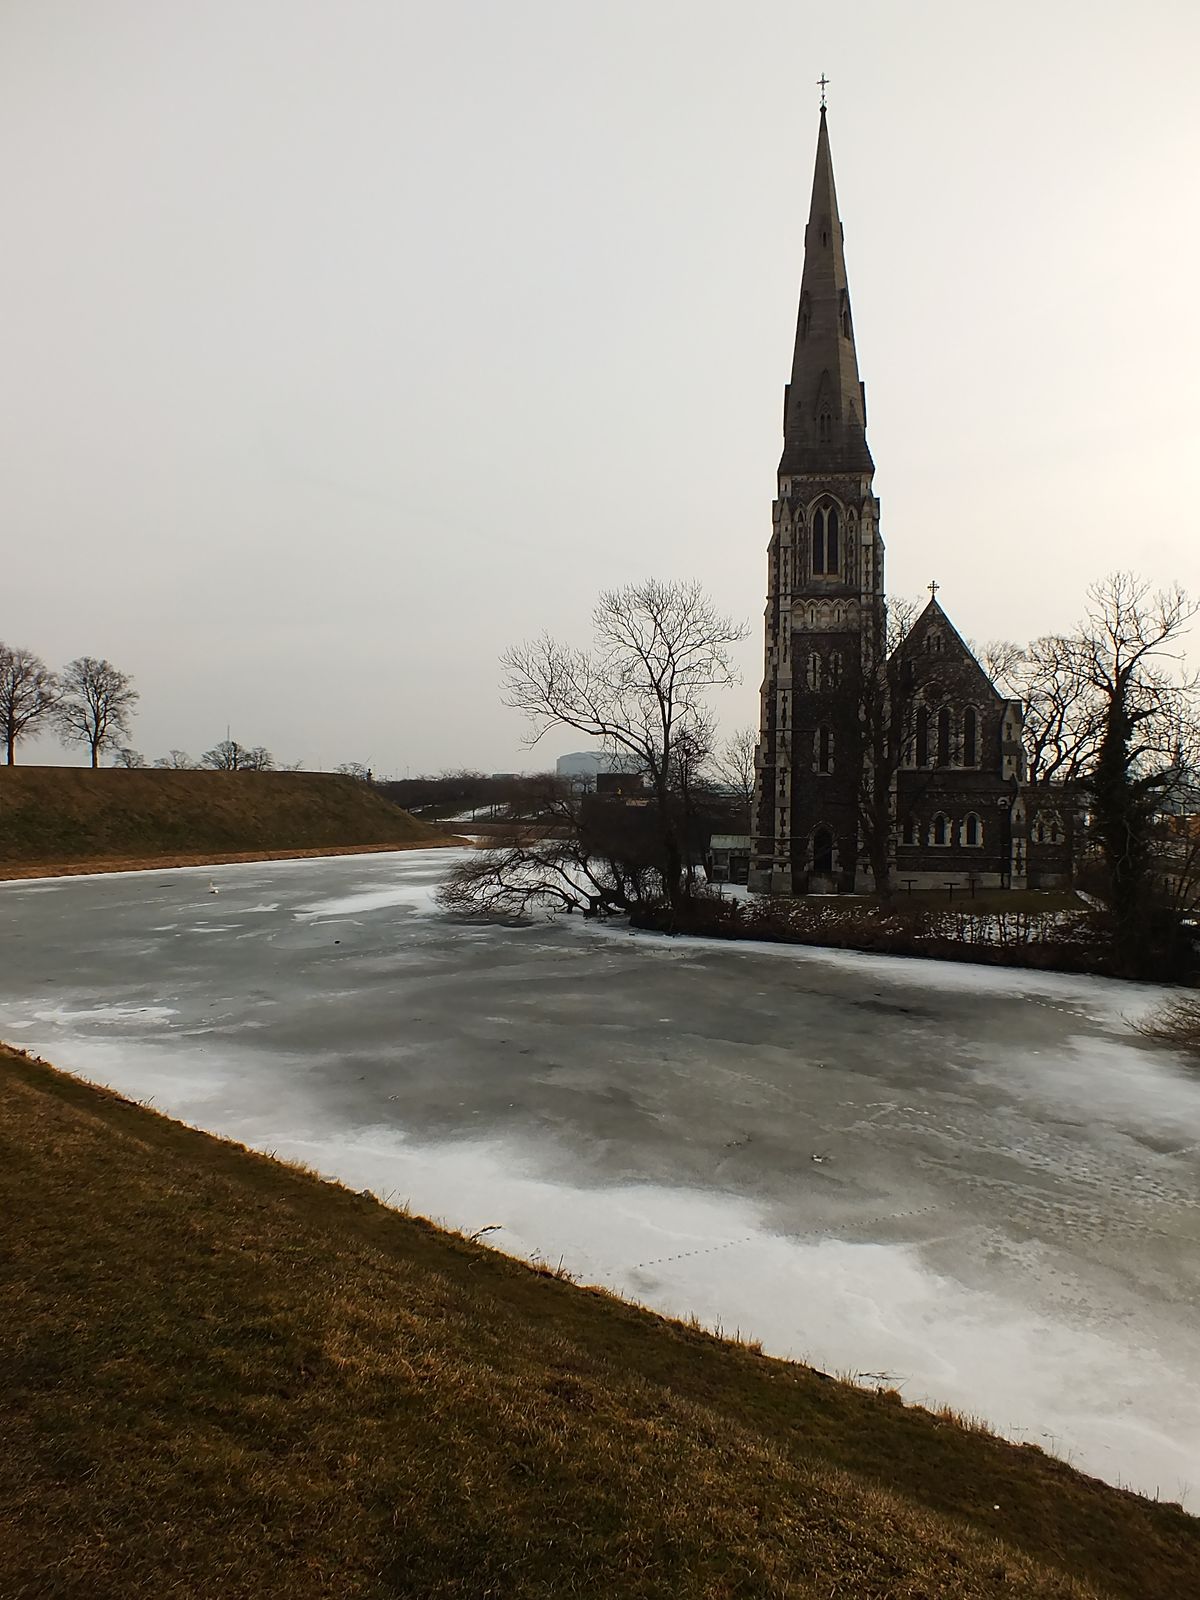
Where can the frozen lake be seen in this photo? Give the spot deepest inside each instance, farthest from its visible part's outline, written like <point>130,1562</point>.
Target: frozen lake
<point>977,1186</point>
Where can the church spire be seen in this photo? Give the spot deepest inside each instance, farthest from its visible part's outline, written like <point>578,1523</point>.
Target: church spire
<point>824,412</point>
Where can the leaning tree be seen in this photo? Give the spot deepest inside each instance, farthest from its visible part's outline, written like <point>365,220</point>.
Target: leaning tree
<point>658,650</point>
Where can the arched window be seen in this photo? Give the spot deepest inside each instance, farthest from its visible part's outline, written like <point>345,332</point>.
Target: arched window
<point>943,738</point>
<point>826,544</point>
<point>825,427</point>
<point>833,671</point>
<point>812,672</point>
<point>844,313</point>
<point>939,831</point>
<point>805,315</point>
<point>824,749</point>
<point>970,737</point>
<point>972,832</point>
<point>922,737</point>
<point>911,832</point>
<point>822,852</point>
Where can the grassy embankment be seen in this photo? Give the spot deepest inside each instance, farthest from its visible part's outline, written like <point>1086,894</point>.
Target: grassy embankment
<point>223,1377</point>
<point>56,819</point>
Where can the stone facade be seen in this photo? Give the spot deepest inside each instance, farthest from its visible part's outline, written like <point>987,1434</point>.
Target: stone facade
<point>961,811</point>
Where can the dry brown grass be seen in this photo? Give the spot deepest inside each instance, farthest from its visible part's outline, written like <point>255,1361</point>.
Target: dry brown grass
<point>73,819</point>
<point>224,1378</point>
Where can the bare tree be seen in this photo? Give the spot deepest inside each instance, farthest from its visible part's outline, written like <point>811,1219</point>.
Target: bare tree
<point>1063,719</point>
<point>28,696</point>
<point>1127,656</point>
<point>355,769</point>
<point>127,757</point>
<point>1002,660</point>
<point>176,761</point>
<point>578,856</point>
<point>886,720</point>
<point>95,704</point>
<point>659,649</point>
<point>230,756</point>
<point>733,765</point>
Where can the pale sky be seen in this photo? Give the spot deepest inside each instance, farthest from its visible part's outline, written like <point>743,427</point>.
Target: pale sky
<point>348,341</point>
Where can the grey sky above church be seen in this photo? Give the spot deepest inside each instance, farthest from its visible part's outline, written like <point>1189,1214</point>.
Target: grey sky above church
<point>348,341</point>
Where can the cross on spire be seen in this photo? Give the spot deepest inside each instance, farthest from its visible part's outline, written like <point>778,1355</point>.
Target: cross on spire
<point>822,82</point>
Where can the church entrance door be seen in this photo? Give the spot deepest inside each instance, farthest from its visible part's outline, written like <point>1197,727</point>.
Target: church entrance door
<point>822,853</point>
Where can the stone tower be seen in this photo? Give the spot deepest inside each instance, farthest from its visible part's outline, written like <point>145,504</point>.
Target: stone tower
<point>825,605</point>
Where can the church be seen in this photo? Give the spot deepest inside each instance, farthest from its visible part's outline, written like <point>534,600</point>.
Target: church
<point>873,754</point>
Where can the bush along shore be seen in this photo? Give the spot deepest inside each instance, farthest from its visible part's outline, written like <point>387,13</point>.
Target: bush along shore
<point>1070,940</point>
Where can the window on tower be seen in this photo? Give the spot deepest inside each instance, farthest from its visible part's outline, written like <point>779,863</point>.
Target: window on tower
<point>824,750</point>
<point>825,427</point>
<point>845,315</point>
<point>826,540</point>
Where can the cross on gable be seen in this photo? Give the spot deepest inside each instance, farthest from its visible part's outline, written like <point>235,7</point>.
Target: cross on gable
<point>933,589</point>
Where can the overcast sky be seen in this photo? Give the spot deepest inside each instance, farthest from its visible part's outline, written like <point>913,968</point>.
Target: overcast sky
<point>348,341</point>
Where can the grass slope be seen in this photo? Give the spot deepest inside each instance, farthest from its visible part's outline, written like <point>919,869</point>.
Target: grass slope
<point>222,1377</point>
<point>72,815</point>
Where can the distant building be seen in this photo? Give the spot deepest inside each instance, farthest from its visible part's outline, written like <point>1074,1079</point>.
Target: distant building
<point>583,767</point>
<point>728,858</point>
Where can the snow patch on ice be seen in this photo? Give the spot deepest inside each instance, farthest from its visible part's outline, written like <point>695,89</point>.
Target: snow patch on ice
<point>1106,999</point>
<point>380,897</point>
<point>107,1016</point>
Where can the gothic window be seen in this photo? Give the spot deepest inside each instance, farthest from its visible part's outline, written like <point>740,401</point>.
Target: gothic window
<point>813,671</point>
<point>844,313</point>
<point>972,832</point>
<point>922,737</point>
<point>824,750</point>
<point>970,755</point>
<point>933,642</point>
<point>939,830</point>
<point>805,315</point>
<point>943,738</point>
<point>822,852</point>
<point>833,672</point>
<point>911,831</point>
<point>826,543</point>
<point>825,427</point>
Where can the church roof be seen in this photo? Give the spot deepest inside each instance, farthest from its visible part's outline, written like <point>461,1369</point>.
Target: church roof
<point>953,647</point>
<point>825,423</point>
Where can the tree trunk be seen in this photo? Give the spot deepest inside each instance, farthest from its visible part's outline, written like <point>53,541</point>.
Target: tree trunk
<point>1122,825</point>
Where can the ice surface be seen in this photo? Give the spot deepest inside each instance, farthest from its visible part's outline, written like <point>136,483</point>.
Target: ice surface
<point>976,1181</point>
